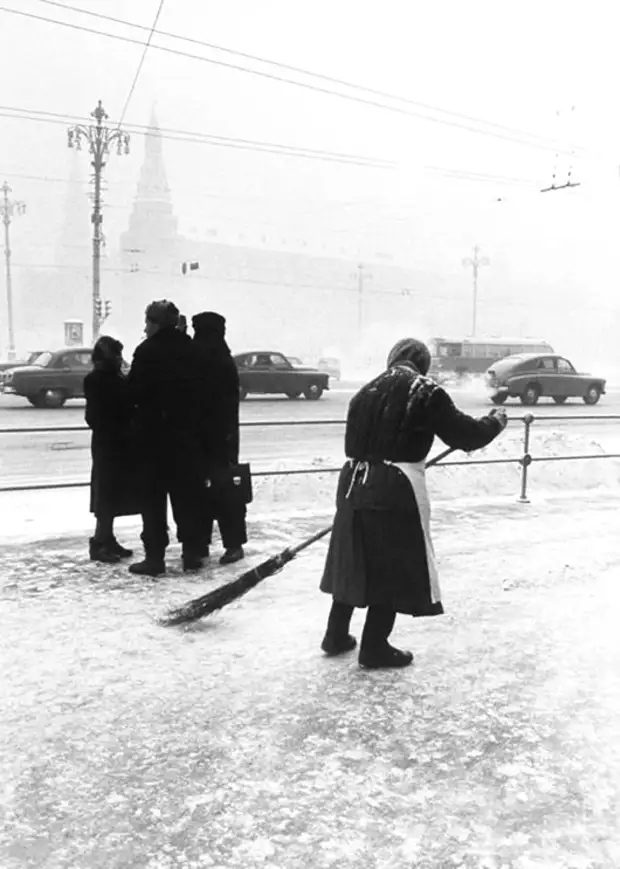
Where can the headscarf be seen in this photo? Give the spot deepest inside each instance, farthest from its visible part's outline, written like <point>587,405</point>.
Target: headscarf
<point>164,313</point>
<point>410,350</point>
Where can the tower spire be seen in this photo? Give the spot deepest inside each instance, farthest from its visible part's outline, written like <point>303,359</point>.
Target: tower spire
<point>152,224</point>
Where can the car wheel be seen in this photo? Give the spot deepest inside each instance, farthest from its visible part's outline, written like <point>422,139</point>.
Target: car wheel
<point>53,398</point>
<point>243,393</point>
<point>293,395</point>
<point>313,391</point>
<point>531,394</point>
<point>37,400</point>
<point>592,395</point>
<point>560,399</point>
<point>499,399</point>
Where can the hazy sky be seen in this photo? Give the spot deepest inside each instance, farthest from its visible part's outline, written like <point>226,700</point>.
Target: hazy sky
<point>510,64</point>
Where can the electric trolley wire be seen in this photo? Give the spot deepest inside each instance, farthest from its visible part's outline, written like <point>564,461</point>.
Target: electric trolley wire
<point>204,138</point>
<point>141,64</point>
<point>300,71</point>
<point>521,139</point>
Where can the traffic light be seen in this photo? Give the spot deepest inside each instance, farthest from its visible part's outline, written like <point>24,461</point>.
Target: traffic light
<point>102,309</point>
<point>192,267</point>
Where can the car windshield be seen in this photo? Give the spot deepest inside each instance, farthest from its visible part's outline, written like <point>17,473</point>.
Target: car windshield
<point>42,360</point>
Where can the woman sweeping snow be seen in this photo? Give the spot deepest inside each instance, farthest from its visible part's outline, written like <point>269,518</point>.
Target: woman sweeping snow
<point>381,553</point>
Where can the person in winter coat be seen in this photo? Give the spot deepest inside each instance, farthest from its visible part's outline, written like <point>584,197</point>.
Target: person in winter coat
<point>381,554</point>
<point>219,411</point>
<point>182,324</point>
<point>164,386</point>
<point>109,415</point>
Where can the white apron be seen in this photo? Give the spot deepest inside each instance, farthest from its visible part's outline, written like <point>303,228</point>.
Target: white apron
<point>416,474</point>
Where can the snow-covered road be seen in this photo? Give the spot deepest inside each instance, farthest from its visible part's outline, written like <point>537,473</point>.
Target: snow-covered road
<point>65,456</point>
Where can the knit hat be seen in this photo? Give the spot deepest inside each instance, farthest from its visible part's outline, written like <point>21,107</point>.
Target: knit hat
<point>410,350</point>
<point>209,321</point>
<point>163,312</point>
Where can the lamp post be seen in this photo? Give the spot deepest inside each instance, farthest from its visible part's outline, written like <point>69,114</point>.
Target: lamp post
<point>99,139</point>
<point>8,209</point>
<point>475,262</point>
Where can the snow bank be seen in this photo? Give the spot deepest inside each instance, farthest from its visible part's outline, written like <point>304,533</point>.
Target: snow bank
<point>505,479</point>
<point>317,491</point>
<point>31,516</point>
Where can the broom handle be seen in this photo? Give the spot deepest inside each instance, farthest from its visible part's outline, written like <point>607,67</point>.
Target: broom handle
<point>292,551</point>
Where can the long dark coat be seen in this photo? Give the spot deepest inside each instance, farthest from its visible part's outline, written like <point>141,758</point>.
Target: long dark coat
<point>377,553</point>
<point>164,387</point>
<point>113,488</point>
<point>219,404</point>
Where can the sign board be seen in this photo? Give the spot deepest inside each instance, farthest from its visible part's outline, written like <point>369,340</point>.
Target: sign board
<point>74,333</point>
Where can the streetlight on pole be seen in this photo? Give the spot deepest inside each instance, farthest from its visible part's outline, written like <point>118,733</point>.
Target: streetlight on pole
<point>476,262</point>
<point>9,208</point>
<point>362,276</point>
<point>99,139</point>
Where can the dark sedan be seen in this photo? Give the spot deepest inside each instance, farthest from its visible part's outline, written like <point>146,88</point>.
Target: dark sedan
<point>271,373</point>
<point>52,378</point>
<point>530,376</point>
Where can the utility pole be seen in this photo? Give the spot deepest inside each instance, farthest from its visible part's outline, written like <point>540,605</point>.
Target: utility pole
<point>9,208</point>
<point>475,264</point>
<point>362,276</point>
<point>99,139</point>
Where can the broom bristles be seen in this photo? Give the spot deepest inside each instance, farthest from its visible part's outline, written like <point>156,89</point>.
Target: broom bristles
<point>231,591</point>
<point>226,594</point>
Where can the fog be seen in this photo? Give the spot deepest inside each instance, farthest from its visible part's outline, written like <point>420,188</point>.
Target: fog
<point>494,108</point>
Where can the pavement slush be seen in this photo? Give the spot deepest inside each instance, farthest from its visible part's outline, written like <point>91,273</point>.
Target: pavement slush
<point>234,743</point>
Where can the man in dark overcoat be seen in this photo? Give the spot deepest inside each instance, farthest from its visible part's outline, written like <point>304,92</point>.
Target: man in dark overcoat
<point>381,555</point>
<point>164,385</point>
<point>219,423</point>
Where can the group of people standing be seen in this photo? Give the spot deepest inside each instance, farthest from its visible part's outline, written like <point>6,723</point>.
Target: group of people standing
<point>173,421</point>
<point>159,432</point>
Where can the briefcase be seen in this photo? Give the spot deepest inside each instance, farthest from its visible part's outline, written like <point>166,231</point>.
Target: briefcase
<point>230,485</point>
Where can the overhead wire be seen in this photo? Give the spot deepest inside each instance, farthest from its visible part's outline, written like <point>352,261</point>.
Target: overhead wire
<point>456,174</point>
<point>241,281</point>
<point>520,139</point>
<point>141,63</point>
<point>204,138</point>
<point>300,71</point>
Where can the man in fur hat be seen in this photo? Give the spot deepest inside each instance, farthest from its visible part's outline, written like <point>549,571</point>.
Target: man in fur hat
<point>381,554</point>
<point>164,386</point>
<point>219,423</point>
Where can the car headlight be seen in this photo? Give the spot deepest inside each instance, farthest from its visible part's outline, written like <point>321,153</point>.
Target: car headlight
<point>8,376</point>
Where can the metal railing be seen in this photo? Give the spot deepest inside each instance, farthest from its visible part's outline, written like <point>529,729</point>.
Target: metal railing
<point>525,460</point>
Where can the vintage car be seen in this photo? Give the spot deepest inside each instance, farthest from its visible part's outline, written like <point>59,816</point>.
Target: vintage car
<point>530,376</point>
<point>267,372</point>
<point>5,366</point>
<point>52,378</point>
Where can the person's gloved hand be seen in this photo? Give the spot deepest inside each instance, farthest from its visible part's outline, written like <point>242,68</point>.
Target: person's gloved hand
<point>499,414</point>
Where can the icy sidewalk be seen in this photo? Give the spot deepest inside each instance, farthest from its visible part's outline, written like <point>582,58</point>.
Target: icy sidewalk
<point>234,743</point>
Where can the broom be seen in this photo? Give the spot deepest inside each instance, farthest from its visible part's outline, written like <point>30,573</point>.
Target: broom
<point>232,591</point>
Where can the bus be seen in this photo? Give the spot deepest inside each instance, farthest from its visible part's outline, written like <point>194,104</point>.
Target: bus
<point>466,356</point>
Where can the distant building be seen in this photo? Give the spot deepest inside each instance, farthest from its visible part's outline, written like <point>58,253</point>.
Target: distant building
<point>276,290</point>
